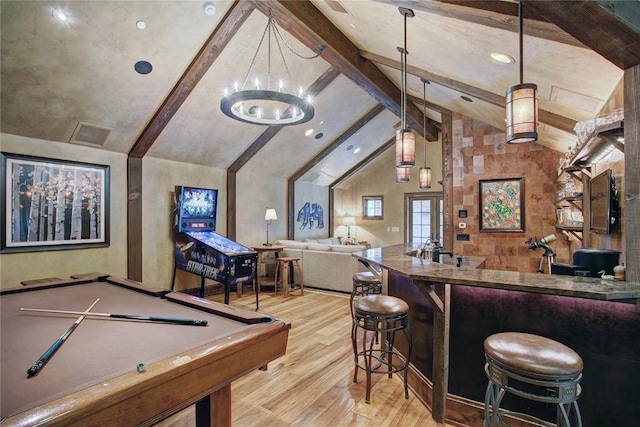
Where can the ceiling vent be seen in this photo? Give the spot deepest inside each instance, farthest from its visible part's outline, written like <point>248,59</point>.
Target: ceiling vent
<point>91,135</point>
<point>336,6</point>
<point>576,100</point>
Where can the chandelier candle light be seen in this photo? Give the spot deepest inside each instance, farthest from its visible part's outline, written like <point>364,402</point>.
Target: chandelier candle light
<point>425,172</point>
<point>405,139</point>
<point>522,105</point>
<point>267,105</point>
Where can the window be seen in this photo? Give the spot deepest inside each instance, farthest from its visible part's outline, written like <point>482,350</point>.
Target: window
<point>372,207</point>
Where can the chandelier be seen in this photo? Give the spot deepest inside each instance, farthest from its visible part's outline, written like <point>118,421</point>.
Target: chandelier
<point>265,102</point>
<point>522,105</point>
<point>405,139</point>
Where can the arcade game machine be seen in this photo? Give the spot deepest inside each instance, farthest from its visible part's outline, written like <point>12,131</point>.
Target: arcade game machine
<point>203,252</point>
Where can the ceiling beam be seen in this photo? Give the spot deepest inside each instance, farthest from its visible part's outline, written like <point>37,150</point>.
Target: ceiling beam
<point>555,120</point>
<point>306,23</point>
<point>209,52</point>
<point>594,26</point>
<point>355,127</point>
<point>502,15</point>
<point>364,162</point>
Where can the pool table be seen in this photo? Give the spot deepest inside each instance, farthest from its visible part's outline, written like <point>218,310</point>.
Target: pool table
<point>125,372</point>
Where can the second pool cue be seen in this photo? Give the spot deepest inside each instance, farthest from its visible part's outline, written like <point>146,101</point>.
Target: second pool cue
<point>33,370</point>
<point>194,322</point>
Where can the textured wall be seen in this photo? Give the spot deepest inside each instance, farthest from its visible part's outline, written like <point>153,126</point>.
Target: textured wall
<point>480,152</point>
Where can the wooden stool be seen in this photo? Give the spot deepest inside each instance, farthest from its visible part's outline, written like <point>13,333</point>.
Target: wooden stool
<point>365,283</point>
<point>534,368</point>
<point>282,267</point>
<point>380,314</point>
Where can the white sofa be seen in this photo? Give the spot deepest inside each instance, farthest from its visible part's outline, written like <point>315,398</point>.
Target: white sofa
<point>328,265</point>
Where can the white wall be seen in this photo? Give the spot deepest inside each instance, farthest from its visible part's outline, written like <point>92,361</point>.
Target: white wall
<point>16,267</point>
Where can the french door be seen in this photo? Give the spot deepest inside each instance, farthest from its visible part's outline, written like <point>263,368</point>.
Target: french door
<point>424,216</point>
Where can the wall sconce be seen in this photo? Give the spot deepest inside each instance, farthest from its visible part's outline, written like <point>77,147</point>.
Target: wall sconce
<point>349,221</point>
<point>269,216</point>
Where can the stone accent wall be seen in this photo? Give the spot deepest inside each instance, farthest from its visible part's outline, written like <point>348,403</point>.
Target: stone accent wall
<point>480,152</point>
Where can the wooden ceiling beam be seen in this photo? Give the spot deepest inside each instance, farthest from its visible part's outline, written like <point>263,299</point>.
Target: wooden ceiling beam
<point>502,15</point>
<point>208,54</point>
<point>595,26</point>
<point>555,120</point>
<point>306,23</point>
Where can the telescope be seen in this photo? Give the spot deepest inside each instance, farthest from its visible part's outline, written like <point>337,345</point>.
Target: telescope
<point>542,243</point>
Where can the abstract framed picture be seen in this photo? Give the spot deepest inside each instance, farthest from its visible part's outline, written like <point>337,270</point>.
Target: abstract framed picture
<point>502,205</point>
<point>50,204</point>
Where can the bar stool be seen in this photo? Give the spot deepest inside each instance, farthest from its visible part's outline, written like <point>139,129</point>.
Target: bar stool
<point>282,267</point>
<point>534,368</point>
<point>380,314</point>
<point>365,283</point>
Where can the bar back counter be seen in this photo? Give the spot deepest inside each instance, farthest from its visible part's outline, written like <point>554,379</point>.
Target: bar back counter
<point>453,309</point>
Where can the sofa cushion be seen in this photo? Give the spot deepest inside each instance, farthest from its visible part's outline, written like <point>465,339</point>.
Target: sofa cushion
<point>311,240</point>
<point>347,248</point>
<point>292,244</point>
<point>318,247</point>
<point>325,241</point>
<point>335,241</point>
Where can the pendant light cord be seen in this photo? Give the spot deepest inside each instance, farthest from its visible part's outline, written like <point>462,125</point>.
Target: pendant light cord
<point>424,119</point>
<point>521,44</point>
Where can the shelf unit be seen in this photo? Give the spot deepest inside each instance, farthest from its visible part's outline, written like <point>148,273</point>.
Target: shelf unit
<point>581,174</point>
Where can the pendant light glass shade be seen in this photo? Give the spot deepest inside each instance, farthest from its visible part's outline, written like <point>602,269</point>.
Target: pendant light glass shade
<point>425,178</point>
<point>522,113</point>
<point>405,148</point>
<point>403,174</point>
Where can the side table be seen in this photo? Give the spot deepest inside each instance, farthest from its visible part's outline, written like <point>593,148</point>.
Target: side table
<point>263,259</point>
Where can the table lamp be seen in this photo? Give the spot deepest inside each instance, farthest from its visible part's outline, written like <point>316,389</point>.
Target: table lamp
<point>269,216</point>
<point>349,221</point>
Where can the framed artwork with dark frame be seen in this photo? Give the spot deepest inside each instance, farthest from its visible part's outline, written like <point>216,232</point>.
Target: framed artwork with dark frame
<point>502,205</point>
<point>50,204</point>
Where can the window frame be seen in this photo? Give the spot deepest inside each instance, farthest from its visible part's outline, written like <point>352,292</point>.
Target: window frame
<point>372,199</point>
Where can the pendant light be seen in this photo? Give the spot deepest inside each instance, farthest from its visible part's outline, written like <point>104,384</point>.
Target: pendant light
<point>425,172</point>
<point>403,174</point>
<point>405,139</point>
<point>522,105</point>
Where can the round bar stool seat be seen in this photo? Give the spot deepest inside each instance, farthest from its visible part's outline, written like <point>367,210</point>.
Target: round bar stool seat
<point>380,314</point>
<point>534,368</point>
<point>365,283</point>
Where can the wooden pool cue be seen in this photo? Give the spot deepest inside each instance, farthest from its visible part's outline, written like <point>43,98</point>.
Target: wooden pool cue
<point>194,322</point>
<point>33,370</point>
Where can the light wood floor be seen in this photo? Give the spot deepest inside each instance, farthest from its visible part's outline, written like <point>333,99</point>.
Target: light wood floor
<point>312,384</point>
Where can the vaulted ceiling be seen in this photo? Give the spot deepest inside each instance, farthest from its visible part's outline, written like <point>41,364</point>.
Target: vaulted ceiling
<point>61,77</point>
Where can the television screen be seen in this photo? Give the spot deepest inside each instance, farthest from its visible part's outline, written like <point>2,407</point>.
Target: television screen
<point>601,198</point>
<point>196,208</point>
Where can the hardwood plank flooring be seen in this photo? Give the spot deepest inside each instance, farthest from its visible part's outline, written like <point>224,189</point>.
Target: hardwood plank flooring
<point>312,384</point>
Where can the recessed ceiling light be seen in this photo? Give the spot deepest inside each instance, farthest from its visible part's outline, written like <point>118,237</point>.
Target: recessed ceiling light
<point>352,25</point>
<point>466,98</point>
<point>308,132</point>
<point>209,8</point>
<point>502,58</point>
<point>141,25</point>
<point>356,151</point>
<point>59,15</point>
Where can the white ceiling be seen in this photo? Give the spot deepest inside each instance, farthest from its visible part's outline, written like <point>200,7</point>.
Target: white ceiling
<point>57,74</point>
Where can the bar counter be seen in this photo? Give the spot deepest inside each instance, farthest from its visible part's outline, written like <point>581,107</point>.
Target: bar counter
<point>453,309</point>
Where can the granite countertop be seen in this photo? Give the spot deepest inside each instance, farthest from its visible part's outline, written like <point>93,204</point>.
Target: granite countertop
<point>400,259</point>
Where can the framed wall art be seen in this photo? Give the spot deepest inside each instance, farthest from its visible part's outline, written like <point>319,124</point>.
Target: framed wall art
<point>50,204</point>
<point>502,205</point>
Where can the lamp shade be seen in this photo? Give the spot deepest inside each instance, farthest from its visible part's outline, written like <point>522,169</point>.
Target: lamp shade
<point>349,221</point>
<point>522,113</point>
<point>405,148</point>
<point>425,178</point>
<point>403,174</point>
<point>270,214</point>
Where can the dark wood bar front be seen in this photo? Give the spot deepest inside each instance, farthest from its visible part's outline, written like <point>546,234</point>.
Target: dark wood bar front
<point>452,311</point>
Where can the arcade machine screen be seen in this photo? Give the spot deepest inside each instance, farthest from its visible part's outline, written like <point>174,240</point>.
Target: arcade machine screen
<point>197,208</point>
